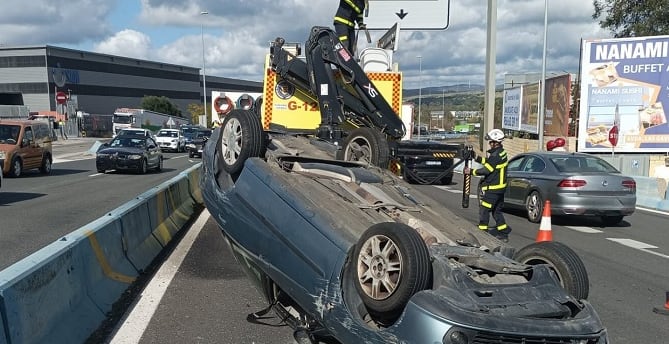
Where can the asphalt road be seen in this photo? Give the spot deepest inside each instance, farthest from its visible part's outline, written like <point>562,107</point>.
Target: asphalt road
<point>37,209</point>
<point>208,297</point>
<point>626,280</point>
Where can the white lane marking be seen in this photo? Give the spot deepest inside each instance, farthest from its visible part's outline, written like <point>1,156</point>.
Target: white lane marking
<point>632,243</point>
<point>95,174</point>
<point>582,229</point>
<point>652,210</point>
<point>641,246</point>
<point>135,323</point>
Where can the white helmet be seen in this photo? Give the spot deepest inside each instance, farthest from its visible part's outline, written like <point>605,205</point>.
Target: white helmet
<point>495,135</point>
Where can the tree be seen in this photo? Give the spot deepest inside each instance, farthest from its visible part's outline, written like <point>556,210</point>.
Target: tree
<point>160,104</point>
<point>630,18</point>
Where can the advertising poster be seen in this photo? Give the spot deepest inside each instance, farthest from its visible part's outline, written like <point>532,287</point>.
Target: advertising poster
<point>529,110</point>
<point>558,93</point>
<point>511,108</point>
<point>625,81</point>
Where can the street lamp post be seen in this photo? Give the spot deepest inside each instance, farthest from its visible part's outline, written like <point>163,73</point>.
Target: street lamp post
<point>542,91</point>
<point>420,89</point>
<point>203,119</point>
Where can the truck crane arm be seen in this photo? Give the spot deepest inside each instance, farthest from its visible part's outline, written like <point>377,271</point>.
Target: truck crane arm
<point>360,102</point>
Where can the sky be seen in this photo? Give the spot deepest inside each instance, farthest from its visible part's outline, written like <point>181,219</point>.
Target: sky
<point>235,34</point>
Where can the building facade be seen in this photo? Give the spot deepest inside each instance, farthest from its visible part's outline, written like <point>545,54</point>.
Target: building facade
<point>99,83</point>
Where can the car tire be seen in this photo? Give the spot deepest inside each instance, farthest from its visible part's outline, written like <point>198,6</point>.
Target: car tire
<point>563,261</point>
<point>143,168</point>
<point>17,168</point>
<point>190,154</point>
<point>46,166</point>
<point>159,168</point>
<point>241,138</point>
<point>534,205</point>
<point>366,144</point>
<point>396,246</point>
<point>611,220</point>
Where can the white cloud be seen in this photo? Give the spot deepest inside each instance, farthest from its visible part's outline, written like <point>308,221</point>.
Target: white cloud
<point>128,43</point>
<point>237,33</point>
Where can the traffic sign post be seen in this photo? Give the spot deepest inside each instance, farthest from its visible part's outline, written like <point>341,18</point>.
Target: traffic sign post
<point>613,138</point>
<point>61,97</point>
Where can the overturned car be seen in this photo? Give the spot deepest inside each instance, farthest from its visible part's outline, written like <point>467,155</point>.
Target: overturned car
<point>349,252</point>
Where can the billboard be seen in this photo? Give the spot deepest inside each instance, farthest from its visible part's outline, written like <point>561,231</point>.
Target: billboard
<point>556,109</point>
<point>511,108</point>
<point>529,109</point>
<point>622,83</point>
<point>520,109</point>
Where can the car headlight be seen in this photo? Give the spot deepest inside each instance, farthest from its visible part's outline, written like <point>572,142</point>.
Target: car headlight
<point>174,141</point>
<point>191,145</point>
<point>103,155</point>
<point>134,156</point>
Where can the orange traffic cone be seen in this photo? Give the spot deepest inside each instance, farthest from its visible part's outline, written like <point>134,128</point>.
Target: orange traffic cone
<point>665,310</point>
<point>545,231</point>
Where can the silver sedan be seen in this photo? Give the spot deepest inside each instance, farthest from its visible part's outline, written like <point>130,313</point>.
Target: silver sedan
<point>575,183</point>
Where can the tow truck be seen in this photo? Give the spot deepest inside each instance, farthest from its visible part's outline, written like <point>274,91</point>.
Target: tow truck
<point>352,113</point>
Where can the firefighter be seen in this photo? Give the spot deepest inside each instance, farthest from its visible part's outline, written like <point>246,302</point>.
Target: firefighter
<point>492,186</point>
<point>349,13</point>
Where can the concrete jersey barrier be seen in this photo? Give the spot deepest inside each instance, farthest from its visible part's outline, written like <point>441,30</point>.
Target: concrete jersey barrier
<point>63,292</point>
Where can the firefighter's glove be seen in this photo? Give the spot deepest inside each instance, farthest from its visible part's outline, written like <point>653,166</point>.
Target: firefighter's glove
<point>467,171</point>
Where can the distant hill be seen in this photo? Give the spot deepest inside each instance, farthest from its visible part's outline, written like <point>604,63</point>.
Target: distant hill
<point>461,88</point>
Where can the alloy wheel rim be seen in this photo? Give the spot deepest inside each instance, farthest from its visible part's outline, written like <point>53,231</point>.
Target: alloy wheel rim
<point>231,143</point>
<point>379,267</point>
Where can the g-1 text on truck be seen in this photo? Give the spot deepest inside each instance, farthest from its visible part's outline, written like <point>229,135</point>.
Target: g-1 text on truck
<point>350,111</point>
<point>140,118</point>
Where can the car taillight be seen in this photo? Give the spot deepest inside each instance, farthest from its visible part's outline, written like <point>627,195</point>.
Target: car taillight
<point>629,183</point>
<point>571,183</point>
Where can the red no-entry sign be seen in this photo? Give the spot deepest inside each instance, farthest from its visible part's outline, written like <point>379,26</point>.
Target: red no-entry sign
<point>613,136</point>
<point>61,97</point>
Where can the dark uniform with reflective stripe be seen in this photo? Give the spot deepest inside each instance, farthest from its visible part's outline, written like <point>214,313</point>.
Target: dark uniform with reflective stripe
<point>493,187</point>
<point>348,14</point>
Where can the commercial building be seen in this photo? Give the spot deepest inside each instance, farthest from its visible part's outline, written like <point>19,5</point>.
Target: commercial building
<point>99,83</point>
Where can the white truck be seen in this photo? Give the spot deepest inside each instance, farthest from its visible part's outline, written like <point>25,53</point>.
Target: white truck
<point>140,118</point>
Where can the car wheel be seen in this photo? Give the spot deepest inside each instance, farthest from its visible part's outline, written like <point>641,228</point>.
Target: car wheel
<point>160,164</point>
<point>392,263</point>
<point>611,220</point>
<point>17,168</point>
<point>241,138</point>
<point>143,168</point>
<point>366,145</point>
<point>562,260</point>
<point>534,205</point>
<point>190,154</point>
<point>46,165</point>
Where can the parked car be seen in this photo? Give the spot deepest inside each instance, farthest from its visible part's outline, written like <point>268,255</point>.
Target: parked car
<point>346,251</point>
<point>25,145</point>
<point>574,183</point>
<point>196,146</point>
<point>137,153</point>
<point>171,139</point>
